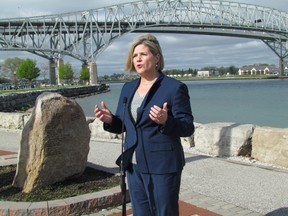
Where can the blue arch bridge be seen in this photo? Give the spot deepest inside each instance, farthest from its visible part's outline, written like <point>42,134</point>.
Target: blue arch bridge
<point>83,35</point>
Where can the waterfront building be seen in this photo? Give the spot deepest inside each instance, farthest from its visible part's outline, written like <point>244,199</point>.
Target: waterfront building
<point>258,70</point>
<point>207,73</point>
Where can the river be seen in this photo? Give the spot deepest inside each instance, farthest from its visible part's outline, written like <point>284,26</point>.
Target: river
<point>263,102</point>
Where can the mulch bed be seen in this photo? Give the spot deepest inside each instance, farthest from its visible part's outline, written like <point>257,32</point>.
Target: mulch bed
<point>91,180</point>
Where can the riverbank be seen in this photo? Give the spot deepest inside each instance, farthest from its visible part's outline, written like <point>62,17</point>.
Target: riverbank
<point>223,139</point>
<point>187,78</point>
<point>190,78</point>
<point>22,100</point>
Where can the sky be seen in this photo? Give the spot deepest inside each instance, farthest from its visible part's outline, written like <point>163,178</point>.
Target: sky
<point>201,51</point>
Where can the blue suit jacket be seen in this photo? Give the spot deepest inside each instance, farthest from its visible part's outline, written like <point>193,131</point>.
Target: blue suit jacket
<point>158,148</point>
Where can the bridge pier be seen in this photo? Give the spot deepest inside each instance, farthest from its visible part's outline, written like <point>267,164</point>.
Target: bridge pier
<point>281,66</point>
<point>59,62</point>
<point>93,73</point>
<point>52,72</point>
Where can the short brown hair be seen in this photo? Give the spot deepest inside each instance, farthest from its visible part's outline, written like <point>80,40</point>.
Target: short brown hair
<point>152,43</point>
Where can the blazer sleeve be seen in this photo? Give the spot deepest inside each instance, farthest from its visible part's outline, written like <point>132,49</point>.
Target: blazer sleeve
<point>180,118</point>
<point>116,124</point>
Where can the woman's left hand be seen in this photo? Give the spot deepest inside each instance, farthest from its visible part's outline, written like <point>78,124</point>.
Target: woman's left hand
<point>158,114</point>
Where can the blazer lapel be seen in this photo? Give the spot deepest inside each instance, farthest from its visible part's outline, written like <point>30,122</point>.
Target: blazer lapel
<point>148,96</point>
<point>131,93</point>
<point>147,99</point>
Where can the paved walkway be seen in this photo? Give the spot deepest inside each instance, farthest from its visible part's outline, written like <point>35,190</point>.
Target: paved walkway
<point>210,186</point>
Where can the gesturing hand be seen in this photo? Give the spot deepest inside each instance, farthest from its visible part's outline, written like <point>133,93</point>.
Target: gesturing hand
<point>103,114</point>
<point>158,114</point>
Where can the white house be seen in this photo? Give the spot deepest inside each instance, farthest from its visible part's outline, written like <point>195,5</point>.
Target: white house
<point>207,73</point>
<point>258,70</point>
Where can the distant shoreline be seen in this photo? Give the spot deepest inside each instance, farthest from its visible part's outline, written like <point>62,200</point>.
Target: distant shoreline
<point>210,78</point>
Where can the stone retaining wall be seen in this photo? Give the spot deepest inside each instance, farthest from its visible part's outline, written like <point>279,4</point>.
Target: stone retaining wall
<point>15,101</point>
<point>270,145</point>
<point>225,139</point>
<point>265,144</point>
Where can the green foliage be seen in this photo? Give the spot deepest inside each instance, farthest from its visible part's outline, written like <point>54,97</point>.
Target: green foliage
<point>232,70</point>
<point>3,80</point>
<point>28,70</point>
<point>10,66</point>
<point>106,77</point>
<point>84,74</point>
<point>65,72</point>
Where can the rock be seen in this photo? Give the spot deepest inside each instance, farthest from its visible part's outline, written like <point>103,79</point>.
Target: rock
<point>12,120</point>
<point>98,132</point>
<point>54,143</point>
<point>223,139</point>
<point>270,145</point>
<point>187,142</point>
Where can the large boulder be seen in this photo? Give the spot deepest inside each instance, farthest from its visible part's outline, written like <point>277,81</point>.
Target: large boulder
<point>224,139</point>
<point>270,145</point>
<point>54,143</point>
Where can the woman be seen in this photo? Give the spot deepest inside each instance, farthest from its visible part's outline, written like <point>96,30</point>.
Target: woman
<point>158,113</point>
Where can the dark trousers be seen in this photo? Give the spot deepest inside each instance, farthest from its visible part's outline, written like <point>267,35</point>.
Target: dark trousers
<point>152,194</point>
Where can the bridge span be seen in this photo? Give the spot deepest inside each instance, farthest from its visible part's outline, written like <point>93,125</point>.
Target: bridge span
<point>83,35</point>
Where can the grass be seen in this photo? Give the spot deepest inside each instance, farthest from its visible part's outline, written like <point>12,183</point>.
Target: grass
<point>90,181</point>
<point>8,91</point>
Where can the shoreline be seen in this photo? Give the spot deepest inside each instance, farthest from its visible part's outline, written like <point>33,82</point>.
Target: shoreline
<point>213,78</point>
<point>17,101</point>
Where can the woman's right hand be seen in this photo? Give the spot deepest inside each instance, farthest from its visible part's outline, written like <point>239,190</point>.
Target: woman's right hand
<point>103,113</point>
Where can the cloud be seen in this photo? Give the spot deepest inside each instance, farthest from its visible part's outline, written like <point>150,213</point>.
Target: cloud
<point>248,45</point>
<point>181,51</point>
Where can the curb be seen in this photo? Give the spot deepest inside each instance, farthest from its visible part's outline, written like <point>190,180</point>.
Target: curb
<point>78,205</point>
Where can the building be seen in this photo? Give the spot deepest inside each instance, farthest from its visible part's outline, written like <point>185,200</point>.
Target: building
<point>207,73</point>
<point>286,70</point>
<point>258,70</point>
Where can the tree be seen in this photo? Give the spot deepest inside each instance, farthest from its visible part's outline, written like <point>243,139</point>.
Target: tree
<point>65,72</point>
<point>44,72</point>
<point>3,80</point>
<point>233,70</point>
<point>28,70</point>
<point>10,66</point>
<point>84,74</point>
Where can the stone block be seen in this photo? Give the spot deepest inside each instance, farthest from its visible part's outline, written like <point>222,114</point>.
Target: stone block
<point>97,131</point>
<point>4,207</point>
<point>19,208</point>
<point>270,145</point>
<point>12,120</point>
<point>57,207</point>
<point>222,139</point>
<point>38,209</point>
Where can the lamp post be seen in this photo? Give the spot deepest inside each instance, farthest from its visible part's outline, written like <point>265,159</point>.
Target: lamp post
<point>15,79</point>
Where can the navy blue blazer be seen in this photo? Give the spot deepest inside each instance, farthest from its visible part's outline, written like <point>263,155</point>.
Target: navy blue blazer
<point>158,148</point>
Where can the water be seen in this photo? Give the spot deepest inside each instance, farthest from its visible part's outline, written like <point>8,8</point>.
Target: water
<point>259,102</point>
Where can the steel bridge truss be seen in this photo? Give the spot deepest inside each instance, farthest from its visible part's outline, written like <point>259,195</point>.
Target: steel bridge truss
<point>85,34</point>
